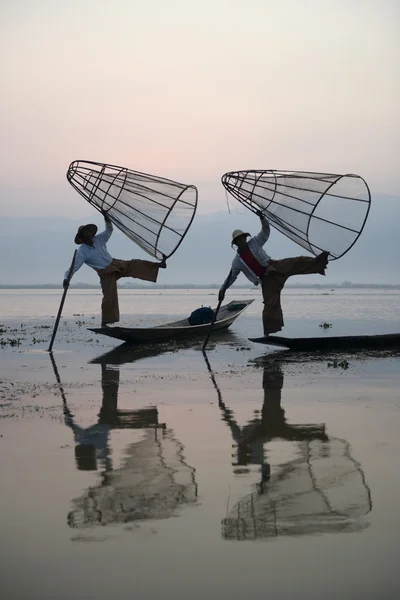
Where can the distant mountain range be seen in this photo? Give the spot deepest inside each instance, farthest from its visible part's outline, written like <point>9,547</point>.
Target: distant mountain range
<point>38,250</point>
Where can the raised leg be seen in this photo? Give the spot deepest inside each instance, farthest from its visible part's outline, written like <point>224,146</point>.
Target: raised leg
<point>275,278</point>
<point>140,269</point>
<point>300,265</point>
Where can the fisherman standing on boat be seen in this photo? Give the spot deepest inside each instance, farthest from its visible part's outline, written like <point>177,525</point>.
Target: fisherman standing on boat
<point>259,268</point>
<point>93,251</point>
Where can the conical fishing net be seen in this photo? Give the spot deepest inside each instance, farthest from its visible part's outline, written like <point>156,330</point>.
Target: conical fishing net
<point>153,482</point>
<point>318,211</point>
<point>153,212</point>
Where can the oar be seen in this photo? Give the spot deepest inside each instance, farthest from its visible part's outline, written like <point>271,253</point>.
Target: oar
<point>62,302</point>
<point>215,316</point>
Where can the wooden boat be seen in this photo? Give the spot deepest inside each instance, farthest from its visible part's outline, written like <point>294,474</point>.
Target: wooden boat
<point>178,329</point>
<point>347,342</point>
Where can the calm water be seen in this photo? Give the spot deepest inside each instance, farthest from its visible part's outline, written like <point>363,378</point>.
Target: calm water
<point>154,473</point>
<point>349,311</point>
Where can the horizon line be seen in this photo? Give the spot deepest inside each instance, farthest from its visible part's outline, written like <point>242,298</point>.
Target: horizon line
<point>343,284</point>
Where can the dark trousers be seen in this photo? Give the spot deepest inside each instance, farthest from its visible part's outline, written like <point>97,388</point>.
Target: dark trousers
<point>278,271</point>
<point>140,269</point>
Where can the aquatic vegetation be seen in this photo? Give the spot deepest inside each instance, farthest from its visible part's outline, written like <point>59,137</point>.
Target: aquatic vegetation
<point>10,342</point>
<point>344,364</point>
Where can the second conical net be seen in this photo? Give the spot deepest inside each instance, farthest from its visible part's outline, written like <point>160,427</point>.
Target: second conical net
<point>152,211</point>
<point>318,211</point>
<point>321,489</point>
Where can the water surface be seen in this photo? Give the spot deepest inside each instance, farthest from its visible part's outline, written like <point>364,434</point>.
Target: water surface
<point>154,472</point>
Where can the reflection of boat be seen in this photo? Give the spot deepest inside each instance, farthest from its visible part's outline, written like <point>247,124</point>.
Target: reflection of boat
<point>178,329</point>
<point>129,353</point>
<point>315,487</point>
<point>346,342</point>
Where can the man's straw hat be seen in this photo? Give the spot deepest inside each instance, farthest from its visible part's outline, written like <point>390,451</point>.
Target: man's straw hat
<point>78,237</point>
<point>237,233</point>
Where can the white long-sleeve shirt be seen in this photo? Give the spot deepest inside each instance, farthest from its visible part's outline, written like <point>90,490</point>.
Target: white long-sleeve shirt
<point>97,256</point>
<point>255,244</point>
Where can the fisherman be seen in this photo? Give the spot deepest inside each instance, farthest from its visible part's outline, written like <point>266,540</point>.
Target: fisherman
<point>260,268</point>
<point>93,251</point>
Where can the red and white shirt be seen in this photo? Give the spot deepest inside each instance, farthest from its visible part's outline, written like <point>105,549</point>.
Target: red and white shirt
<point>254,259</point>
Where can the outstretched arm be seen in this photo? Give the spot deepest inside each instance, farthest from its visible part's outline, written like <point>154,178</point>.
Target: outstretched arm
<point>79,260</point>
<point>263,236</point>
<point>105,235</point>
<point>233,274</point>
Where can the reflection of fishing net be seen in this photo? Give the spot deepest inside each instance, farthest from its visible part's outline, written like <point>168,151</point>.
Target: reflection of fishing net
<point>321,491</point>
<point>152,483</point>
<point>153,212</point>
<point>319,211</point>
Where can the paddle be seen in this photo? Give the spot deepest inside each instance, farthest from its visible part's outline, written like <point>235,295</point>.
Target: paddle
<point>215,316</point>
<point>62,302</point>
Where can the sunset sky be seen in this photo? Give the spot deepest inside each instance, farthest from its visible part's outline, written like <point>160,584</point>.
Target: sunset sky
<point>189,90</point>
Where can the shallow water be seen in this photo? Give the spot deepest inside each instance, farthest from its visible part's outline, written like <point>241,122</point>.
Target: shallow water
<point>159,472</point>
<point>352,311</point>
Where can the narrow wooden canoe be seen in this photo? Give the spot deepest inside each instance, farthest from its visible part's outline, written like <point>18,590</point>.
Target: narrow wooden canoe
<point>227,314</point>
<point>348,342</point>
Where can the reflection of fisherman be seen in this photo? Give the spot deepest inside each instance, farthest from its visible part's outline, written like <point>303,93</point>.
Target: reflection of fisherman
<point>320,489</point>
<point>153,479</point>
<point>259,268</point>
<point>91,443</point>
<point>93,251</point>
<point>250,438</point>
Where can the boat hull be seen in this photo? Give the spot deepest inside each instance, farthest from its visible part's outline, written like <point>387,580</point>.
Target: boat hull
<point>384,341</point>
<point>178,329</point>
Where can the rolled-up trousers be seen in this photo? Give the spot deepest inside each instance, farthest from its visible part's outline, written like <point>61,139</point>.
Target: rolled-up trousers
<point>277,273</point>
<point>140,269</point>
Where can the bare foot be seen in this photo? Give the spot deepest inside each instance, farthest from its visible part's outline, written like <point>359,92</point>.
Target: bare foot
<point>324,257</point>
<point>267,333</point>
<point>163,263</point>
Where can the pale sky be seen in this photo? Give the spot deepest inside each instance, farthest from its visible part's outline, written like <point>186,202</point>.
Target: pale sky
<point>189,90</point>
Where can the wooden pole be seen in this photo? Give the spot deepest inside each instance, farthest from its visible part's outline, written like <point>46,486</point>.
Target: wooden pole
<point>62,302</point>
<point>215,316</point>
